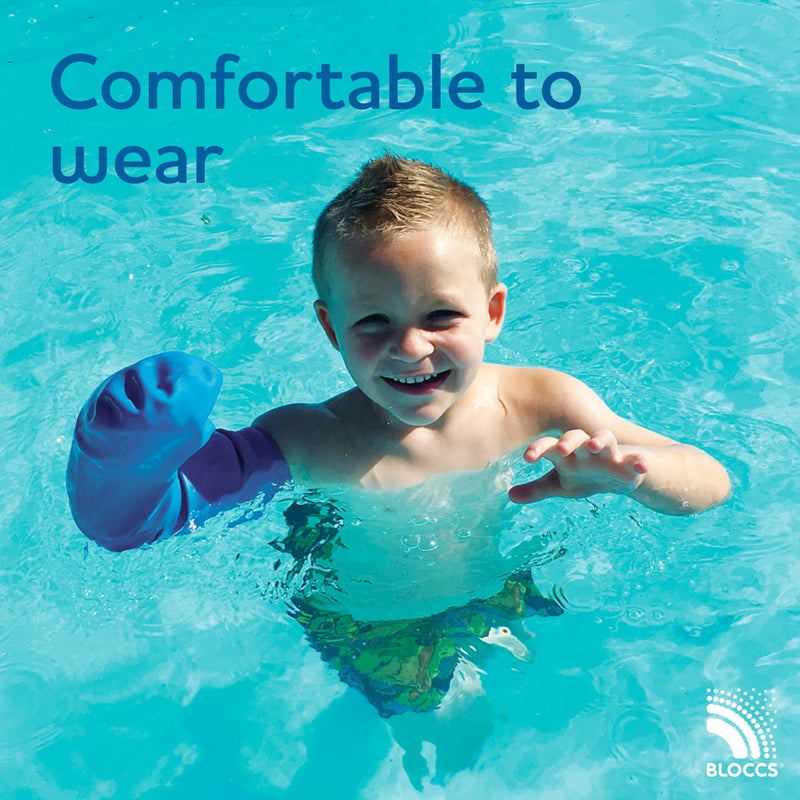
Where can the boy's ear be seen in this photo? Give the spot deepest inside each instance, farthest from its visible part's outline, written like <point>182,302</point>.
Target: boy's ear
<point>324,317</point>
<point>497,311</point>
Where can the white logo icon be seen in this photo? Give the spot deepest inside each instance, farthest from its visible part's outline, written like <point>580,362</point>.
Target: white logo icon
<point>745,721</point>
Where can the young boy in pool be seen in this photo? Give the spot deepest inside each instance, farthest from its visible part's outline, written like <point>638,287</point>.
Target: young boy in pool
<point>406,275</point>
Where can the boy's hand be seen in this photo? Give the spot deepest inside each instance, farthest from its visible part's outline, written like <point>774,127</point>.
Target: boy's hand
<point>153,413</point>
<point>582,465</point>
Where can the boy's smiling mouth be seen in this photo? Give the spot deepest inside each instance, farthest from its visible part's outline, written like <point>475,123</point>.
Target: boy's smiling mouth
<point>417,384</point>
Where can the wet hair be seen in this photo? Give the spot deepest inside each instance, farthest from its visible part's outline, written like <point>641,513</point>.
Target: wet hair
<point>391,196</point>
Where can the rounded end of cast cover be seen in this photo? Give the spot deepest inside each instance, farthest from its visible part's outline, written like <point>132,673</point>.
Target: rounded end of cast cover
<point>170,394</point>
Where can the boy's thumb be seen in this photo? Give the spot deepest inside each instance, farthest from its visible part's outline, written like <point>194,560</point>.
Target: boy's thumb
<point>541,488</point>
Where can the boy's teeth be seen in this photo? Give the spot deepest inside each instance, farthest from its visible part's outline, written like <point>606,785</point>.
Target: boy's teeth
<point>418,378</point>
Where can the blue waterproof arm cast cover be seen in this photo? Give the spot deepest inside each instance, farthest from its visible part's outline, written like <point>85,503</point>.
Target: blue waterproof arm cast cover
<point>145,458</point>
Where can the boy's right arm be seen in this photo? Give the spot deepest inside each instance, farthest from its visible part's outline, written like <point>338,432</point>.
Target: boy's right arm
<point>145,456</point>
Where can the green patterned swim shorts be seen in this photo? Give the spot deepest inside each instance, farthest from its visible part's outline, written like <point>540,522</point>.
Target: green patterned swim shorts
<point>407,665</point>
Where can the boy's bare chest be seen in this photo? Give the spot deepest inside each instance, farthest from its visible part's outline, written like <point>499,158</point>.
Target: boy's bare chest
<point>359,447</point>
<point>413,459</point>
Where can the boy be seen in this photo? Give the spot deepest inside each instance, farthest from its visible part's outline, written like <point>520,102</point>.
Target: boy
<point>406,275</point>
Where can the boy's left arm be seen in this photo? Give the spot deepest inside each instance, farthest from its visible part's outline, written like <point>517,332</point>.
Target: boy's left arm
<point>592,450</point>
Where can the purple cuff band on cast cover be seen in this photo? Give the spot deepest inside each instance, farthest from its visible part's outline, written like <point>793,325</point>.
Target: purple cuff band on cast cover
<point>232,467</point>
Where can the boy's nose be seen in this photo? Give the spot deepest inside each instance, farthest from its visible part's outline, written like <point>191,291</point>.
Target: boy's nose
<point>412,344</point>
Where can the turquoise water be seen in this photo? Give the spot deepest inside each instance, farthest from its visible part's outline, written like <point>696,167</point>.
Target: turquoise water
<point>649,237</point>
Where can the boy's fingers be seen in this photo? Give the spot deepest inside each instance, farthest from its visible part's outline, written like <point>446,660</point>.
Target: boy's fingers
<point>555,449</point>
<point>539,447</point>
<point>638,464</point>
<point>602,440</point>
<point>571,441</point>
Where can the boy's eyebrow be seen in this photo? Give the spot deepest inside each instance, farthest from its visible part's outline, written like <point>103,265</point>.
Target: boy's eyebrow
<point>444,301</point>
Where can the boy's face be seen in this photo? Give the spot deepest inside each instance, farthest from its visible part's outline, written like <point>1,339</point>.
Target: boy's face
<point>410,316</point>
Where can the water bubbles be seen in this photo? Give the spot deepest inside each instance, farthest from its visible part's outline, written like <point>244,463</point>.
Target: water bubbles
<point>409,542</point>
<point>575,264</point>
<point>422,543</point>
<point>636,614</point>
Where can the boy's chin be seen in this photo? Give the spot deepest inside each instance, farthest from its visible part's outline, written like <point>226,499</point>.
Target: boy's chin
<point>426,412</point>
<point>415,421</point>
<point>418,417</point>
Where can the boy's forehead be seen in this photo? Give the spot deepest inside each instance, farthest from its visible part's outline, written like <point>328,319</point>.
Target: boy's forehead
<point>441,249</point>
<point>423,264</point>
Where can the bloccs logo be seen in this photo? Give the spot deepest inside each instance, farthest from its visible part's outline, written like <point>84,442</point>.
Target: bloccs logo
<point>746,722</point>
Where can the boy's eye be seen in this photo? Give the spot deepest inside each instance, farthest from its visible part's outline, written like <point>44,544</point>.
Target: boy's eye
<point>444,315</point>
<point>372,320</point>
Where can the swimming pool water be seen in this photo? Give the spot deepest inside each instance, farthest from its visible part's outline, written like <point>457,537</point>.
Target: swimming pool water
<point>649,238</point>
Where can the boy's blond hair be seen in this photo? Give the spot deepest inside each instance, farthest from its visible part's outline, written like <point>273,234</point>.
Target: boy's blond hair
<point>391,196</point>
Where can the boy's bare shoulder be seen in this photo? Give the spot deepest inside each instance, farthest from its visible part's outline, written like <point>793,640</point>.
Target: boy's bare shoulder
<point>550,399</point>
<point>311,438</point>
<point>541,391</point>
<point>556,401</point>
